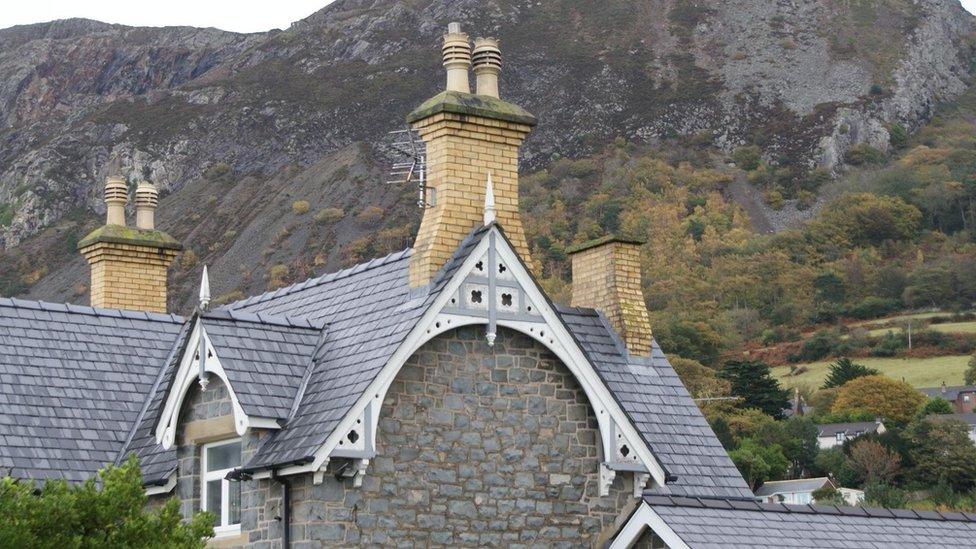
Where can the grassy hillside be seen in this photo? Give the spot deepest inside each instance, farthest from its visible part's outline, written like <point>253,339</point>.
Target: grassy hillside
<point>918,372</point>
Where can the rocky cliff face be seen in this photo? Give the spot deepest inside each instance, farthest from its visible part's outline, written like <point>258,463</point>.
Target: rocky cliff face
<point>246,122</point>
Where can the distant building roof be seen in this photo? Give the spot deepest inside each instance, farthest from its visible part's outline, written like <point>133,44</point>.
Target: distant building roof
<point>968,418</point>
<point>831,429</point>
<point>948,392</point>
<point>796,485</point>
<point>709,522</point>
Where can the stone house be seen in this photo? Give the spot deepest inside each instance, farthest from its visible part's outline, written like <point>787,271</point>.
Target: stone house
<point>435,396</point>
<point>962,398</point>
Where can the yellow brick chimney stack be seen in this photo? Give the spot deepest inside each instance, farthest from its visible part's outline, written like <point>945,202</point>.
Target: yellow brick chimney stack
<point>607,277</point>
<point>467,135</point>
<point>128,265</point>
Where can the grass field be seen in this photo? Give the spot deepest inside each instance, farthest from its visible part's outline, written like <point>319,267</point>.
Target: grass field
<point>919,372</point>
<point>946,327</point>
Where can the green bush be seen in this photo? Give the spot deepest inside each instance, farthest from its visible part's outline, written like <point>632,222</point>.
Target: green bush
<point>897,135</point>
<point>873,307</point>
<point>747,157</point>
<point>890,344</point>
<point>863,154</point>
<point>820,345</point>
<point>109,510</point>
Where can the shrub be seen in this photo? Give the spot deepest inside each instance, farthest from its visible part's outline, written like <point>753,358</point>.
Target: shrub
<point>890,344</point>
<point>277,275</point>
<point>879,494</point>
<point>329,215</point>
<point>828,495</point>
<point>971,371</point>
<point>863,154</point>
<point>936,406</point>
<point>897,135</point>
<point>805,200</point>
<point>300,207</point>
<point>873,307</point>
<point>110,510</point>
<point>818,346</point>
<point>216,171</point>
<point>747,157</point>
<point>774,199</point>
<point>370,215</point>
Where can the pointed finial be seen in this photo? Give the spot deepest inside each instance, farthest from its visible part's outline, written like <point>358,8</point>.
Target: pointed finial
<point>489,201</point>
<point>204,290</point>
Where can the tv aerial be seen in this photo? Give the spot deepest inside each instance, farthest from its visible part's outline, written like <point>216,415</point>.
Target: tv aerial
<point>409,164</point>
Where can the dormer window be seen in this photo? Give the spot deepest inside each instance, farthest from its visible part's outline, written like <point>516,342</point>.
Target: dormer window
<point>217,494</point>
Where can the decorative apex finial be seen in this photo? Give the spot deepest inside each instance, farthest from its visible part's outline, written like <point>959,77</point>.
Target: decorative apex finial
<point>204,290</point>
<point>489,201</point>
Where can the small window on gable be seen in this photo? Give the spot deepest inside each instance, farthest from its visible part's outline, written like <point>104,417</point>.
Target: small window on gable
<point>217,494</point>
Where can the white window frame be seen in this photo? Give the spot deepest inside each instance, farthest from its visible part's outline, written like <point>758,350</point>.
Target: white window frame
<point>223,528</point>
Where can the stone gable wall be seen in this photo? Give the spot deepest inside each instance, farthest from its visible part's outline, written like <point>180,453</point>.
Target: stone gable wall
<point>477,446</point>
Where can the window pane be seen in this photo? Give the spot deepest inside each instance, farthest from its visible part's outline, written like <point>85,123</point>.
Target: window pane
<point>234,505</point>
<point>224,456</point>
<point>213,499</point>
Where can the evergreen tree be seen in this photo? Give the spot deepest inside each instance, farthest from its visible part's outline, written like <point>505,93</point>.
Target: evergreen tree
<point>753,383</point>
<point>843,370</point>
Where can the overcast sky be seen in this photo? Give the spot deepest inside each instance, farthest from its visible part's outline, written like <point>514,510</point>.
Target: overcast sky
<point>232,15</point>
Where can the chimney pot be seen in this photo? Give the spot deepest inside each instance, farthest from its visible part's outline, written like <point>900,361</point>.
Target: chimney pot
<point>457,58</point>
<point>487,60</point>
<point>116,197</point>
<point>147,197</point>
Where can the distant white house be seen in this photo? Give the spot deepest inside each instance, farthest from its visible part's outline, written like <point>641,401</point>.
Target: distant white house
<point>800,491</point>
<point>835,434</point>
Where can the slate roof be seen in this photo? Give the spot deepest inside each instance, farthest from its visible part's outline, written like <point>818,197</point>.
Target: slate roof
<point>370,310</point>
<point>948,393</point>
<point>786,486</point>
<point>73,380</point>
<point>968,418</point>
<point>715,523</point>
<point>654,398</point>
<point>852,428</point>
<point>265,357</point>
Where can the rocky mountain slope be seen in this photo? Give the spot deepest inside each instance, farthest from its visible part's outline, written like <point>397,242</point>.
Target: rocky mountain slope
<point>240,130</point>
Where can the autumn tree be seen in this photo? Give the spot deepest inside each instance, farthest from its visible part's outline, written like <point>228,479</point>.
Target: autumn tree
<point>878,395</point>
<point>108,511</point>
<point>844,370</point>
<point>873,462</point>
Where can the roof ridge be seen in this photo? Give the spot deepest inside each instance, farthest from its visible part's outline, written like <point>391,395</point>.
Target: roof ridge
<point>289,321</point>
<point>703,502</point>
<point>38,305</point>
<point>321,279</point>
